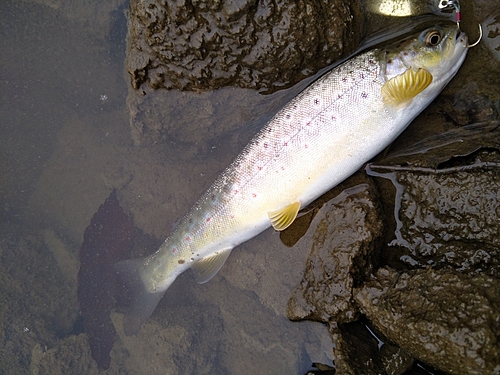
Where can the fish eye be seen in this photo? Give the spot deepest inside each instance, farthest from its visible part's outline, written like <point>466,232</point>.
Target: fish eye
<point>432,38</point>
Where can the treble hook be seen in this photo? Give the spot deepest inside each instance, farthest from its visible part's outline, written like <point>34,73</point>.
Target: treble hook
<point>480,37</point>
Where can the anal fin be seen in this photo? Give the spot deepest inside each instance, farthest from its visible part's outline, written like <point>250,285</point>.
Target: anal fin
<point>284,217</point>
<point>208,267</point>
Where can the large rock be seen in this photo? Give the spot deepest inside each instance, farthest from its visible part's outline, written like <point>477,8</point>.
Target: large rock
<point>347,230</point>
<point>206,45</point>
<point>201,45</point>
<point>444,318</point>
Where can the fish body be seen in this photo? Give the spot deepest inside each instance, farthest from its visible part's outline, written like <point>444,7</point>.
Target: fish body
<point>317,140</point>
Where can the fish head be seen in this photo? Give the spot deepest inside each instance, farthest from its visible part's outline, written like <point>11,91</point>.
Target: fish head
<point>423,62</point>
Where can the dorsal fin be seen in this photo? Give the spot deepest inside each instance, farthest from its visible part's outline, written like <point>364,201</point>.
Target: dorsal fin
<point>207,267</point>
<point>282,218</point>
<point>400,90</point>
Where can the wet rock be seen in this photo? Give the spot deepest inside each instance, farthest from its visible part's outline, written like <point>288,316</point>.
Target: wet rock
<point>348,229</point>
<point>396,360</point>
<point>449,216</point>
<point>454,143</point>
<point>471,105</point>
<point>492,33</point>
<point>444,318</point>
<point>204,45</point>
<point>356,350</point>
<point>201,45</point>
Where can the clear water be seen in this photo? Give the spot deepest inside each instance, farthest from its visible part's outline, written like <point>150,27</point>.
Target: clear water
<point>65,144</point>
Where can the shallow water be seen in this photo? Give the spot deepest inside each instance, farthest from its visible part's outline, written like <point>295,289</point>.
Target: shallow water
<point>65,143</point>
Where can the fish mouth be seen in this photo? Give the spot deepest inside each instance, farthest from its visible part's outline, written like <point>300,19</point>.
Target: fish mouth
<point>462,38</point>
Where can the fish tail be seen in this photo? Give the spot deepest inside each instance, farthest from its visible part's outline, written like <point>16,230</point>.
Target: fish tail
<point>140,302</point>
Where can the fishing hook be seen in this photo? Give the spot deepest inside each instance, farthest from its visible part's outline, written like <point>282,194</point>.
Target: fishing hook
<point>455,4</point>
<point>480,37</point>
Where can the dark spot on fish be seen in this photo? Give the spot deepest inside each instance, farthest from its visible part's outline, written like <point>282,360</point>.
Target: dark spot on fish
<point>181,261</point>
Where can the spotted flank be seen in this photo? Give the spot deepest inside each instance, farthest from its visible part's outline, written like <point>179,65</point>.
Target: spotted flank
<point>321,137</point>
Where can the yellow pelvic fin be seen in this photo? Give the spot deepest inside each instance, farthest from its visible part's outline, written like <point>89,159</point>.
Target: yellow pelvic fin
<point>207,267</point>
<point>282,218</point>
<point>399,91</point>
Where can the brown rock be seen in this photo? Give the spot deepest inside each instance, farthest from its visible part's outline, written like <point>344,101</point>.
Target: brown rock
<point>446,319</point>
<point>348,229</point>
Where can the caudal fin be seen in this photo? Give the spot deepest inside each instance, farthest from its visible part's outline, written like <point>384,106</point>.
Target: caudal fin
<point>142,303</point>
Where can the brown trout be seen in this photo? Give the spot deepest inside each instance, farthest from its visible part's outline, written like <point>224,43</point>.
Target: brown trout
<point>321,137</point>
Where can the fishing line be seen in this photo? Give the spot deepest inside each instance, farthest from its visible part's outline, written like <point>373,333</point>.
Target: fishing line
<point>455,4</point>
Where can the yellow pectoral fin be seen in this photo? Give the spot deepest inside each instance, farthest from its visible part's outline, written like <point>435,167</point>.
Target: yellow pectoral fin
<point>282,218</point>
<point>399,91</point>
